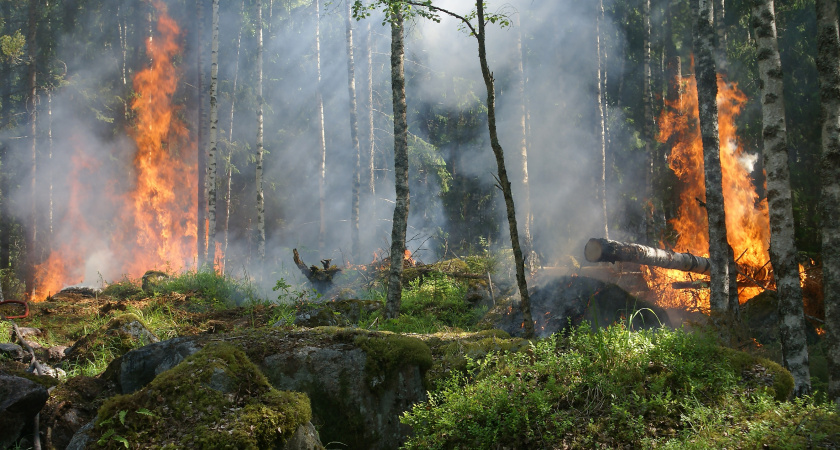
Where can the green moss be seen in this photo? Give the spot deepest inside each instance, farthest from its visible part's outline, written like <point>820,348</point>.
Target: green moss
<point>388,353</point>
<point>216,398</point>
<point>451,353</point>
<point>751,368</point>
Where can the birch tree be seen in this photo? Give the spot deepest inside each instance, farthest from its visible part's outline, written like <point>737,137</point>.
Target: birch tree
<point>828,66</point>
<point>704,38</point>
<point>322,143</point>
<point>602,134</point>
<point>260,150</point>
<point>779,199</point>
<point>201,214</point>
<point>214,133</point>
<point>354,138</point>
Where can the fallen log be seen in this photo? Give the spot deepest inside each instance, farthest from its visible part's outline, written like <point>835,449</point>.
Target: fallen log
<point>605,250</point>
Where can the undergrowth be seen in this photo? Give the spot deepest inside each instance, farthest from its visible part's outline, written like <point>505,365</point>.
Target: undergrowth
<point>614,388</point>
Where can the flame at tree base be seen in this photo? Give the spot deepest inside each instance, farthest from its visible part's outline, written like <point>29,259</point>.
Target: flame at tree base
<point>153,224</point>
<point>747,220</point>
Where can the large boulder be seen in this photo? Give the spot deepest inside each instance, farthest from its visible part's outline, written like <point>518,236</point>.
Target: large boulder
<point>215,398</point>
<point>358,382</point>
<point>760,315</point>
<point>569,300</point>
<point>20,401</point>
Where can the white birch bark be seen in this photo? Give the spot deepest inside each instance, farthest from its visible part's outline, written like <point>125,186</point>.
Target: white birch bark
<point>214,133</point>
<point>779,200</point>
<point>260,150</point>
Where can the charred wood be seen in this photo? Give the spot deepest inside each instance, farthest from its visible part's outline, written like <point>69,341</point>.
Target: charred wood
<point>318,276</point>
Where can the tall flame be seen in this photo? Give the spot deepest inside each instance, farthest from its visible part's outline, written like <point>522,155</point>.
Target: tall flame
<point>747,222</point>
<point>154,227</point>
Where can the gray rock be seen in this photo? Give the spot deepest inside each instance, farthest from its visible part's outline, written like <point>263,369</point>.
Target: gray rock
<point>347,405</point>
<point>81,438</point>
<point>27,331</point>
<point>12,351</point>
<point>57,352</point>
<point>20,400</point>
<point>139,367</point>
<point>305,438</point>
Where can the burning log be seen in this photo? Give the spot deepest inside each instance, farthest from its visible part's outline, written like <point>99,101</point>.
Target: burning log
<point>605,250</point>
<point>320,277</point>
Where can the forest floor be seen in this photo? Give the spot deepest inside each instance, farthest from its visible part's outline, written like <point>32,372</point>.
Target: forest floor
<point>680,409</point>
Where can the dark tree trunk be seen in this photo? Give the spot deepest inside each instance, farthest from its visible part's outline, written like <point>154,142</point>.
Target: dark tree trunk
<point>400,222</point>
<point>828,65</point>
<point>707,100</point>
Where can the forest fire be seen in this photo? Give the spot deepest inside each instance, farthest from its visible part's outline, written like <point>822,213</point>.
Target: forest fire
<point>153,226</point>
<point>747,222</point>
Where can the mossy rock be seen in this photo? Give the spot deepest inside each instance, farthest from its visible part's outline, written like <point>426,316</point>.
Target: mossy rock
<point>120,335</point>
<point>451,352</point>
<point>387,353</point>
<point>216,398</point>
<point>760,373</point>
<point>122,290</point>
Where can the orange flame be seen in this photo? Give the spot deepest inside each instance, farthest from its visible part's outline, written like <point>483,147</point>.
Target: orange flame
<point>747,222</point>
<point>155,227</point>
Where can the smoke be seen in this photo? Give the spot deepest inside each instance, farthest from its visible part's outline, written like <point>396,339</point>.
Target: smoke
<point>92,147</point>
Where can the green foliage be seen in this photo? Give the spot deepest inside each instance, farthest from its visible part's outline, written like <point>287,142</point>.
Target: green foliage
<point>124,289</point>
<point>11,46</point>
<point>588,389</point>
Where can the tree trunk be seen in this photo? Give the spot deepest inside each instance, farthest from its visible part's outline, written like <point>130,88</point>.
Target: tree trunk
<point>828,66</point>
<point>502,172</point>
<point>214,133</point>
<point>201,216</point>
<point>322,143</point>
<point>5,222</point>
<point>522,130</point>
<point>602,132</point>
<point>371,169</point>
<point>354,138</point>
<point>605,250</point>
<point>259,169</point>
<point>31,109</point>
<point>400,222</point>
<point>720,34</point>
<point>229,161</point>
<point>707,101</point>
<point>647,127</point>
<point>779,200</point>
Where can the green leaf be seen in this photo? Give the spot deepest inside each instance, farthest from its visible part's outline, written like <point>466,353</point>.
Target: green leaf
<point>121,439</point>
<point>146,412</point>
<point>122,416</point>
<point>105,437</point>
